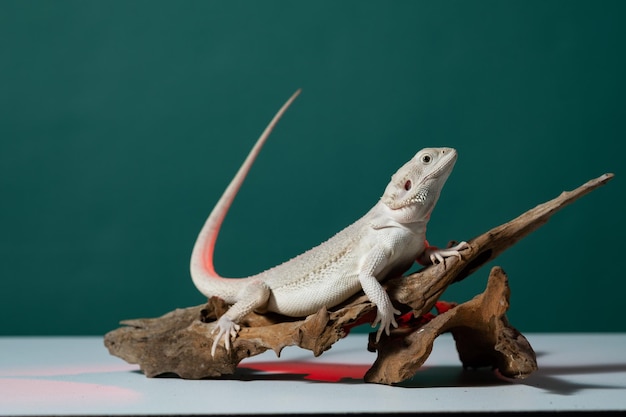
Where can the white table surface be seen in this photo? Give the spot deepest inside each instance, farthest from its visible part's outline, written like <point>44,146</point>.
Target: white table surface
<point>76,375</point>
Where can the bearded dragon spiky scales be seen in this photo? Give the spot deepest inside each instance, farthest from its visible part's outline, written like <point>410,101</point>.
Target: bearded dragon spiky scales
<point>384,242</point>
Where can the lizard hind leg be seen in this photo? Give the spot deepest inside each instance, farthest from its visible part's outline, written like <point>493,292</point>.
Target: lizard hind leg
<point>253,296</point>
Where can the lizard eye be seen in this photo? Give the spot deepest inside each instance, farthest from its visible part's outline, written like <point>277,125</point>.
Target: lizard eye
<point>408,185</point>
<point>426,159</point>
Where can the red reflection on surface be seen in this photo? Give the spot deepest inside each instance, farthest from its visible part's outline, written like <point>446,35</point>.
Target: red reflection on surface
<point>321,372</point>
<point>34,393</point>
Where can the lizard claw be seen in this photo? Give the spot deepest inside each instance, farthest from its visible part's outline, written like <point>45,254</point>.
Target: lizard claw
<point>438,256</point>
<point>227,329</point>
<point>386,318</point>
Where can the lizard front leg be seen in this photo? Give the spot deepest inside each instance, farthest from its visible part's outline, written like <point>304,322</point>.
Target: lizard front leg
<point>372,264</point>
<point>253,296</point>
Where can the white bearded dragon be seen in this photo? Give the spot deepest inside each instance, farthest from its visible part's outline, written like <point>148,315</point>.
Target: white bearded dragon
<point>384,242</point>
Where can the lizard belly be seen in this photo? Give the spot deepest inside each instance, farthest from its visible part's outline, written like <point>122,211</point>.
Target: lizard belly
<point>325,285</point>
<point>295,301</point>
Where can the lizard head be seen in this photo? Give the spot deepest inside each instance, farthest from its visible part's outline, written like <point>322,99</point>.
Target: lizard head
<point>415,187</point>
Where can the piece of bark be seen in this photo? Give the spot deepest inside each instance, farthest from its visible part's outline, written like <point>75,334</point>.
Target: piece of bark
<point>480,328</point>
<point>180,342</point>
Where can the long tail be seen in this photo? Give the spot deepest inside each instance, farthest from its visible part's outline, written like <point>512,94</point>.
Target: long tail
<point>201,265</point>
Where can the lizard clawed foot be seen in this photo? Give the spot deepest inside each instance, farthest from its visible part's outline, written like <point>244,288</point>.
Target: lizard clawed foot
<point>227,329</point>
<point>438,256</point>
<point>386,318</point>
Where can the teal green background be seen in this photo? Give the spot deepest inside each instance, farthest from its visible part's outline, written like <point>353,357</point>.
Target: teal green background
<point>122,122</point>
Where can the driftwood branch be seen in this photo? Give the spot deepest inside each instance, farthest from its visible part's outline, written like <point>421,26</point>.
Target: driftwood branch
<point>180,342</point>
<point>480,328</point>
